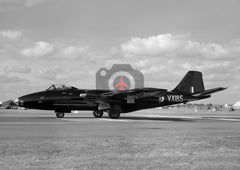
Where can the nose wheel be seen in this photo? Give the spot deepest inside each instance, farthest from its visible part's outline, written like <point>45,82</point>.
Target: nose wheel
<point>97,113</point>
<point>60,114</point>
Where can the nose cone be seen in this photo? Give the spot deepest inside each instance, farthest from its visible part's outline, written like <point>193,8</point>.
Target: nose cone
<point>30,100</point>
<point>21,101</point>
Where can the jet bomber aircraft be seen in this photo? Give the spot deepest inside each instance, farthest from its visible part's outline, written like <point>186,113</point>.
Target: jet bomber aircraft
<point>63,99</point>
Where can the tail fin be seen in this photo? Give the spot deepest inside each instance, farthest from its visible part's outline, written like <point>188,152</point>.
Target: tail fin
<point>191,83</point>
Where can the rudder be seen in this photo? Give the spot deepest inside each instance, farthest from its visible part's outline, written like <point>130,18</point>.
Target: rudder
<point>191,83</point>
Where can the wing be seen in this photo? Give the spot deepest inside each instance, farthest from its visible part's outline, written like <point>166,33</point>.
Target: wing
<point>127,96</point>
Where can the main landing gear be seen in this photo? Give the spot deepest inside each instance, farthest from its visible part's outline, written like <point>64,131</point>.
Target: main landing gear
<point>115,111</point>
<point>112,113</point>
<point>60,114</point>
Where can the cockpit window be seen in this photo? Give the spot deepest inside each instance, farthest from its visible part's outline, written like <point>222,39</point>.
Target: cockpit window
<point>58,87</point>
<point>51,88</point>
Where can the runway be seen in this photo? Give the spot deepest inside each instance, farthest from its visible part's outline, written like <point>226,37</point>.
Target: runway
<point>36,116</point>
<point>149,139</point>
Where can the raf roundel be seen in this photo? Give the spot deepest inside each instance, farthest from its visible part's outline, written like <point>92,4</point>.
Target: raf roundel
<point>161,99</point>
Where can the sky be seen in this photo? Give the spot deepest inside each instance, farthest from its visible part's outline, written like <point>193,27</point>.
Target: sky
<point>44,42</point>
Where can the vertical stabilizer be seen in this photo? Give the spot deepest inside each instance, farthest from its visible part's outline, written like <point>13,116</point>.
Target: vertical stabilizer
<point>191,83</point>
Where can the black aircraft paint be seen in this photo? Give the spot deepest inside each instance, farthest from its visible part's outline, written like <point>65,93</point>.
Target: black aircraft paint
<point>63,99</point>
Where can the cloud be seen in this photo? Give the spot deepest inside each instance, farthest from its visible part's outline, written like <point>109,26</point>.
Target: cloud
<point>11,34</point>
<point>17,68</point>
<point>14,4</point>
<point>73,51</point>
<point>30,3</point>
<point>154,44</point>
<point>7,79</point>
<point>51,73</point>
<point>179,50</point>
<point>166,45</point>
<point>40,49</point>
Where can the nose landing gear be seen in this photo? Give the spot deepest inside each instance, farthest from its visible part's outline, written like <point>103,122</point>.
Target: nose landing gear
<point>97,113</point>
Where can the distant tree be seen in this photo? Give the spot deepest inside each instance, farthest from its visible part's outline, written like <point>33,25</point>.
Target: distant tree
<point>209,106</point>
<point>189,105</point>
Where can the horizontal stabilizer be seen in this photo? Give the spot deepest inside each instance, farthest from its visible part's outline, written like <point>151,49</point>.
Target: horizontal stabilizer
<point>208,92</point>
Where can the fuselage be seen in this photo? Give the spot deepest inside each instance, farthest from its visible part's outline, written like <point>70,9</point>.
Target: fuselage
<point>63,99</point>
<point>80,99</point>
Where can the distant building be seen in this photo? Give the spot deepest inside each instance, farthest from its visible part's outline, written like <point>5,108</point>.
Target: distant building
<point>9,105</point>
<point>226,106</point>
<point>236,105</point>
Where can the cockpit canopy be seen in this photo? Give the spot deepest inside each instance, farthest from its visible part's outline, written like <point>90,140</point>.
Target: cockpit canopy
<point>59,87</point>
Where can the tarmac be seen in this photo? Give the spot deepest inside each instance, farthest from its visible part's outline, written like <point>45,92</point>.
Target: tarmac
<point>34,126</point>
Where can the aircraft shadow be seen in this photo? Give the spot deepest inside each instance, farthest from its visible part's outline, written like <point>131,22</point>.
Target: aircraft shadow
<point>174,119</point>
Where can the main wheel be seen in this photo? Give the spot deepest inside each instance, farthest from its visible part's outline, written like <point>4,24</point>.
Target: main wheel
<point>113,114</point>
<point>60,114</point>
<point>115,111</point>
<point>97,113</point>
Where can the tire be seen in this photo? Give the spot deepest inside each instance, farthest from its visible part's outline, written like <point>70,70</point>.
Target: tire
<point>113,115</point>
<point>115,111</point>
<point>97,113</point>
<point>60,115</point>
